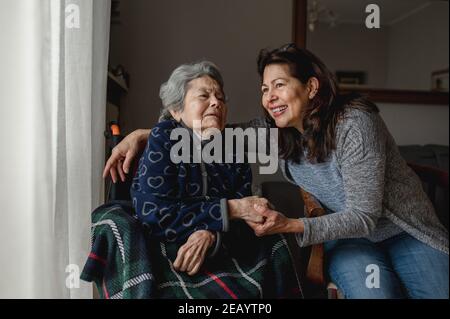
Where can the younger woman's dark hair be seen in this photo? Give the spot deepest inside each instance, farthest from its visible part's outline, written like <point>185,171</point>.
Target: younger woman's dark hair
<point>322,114</point>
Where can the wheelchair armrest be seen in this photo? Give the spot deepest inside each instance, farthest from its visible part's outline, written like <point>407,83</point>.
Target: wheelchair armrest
<point>314,271</point>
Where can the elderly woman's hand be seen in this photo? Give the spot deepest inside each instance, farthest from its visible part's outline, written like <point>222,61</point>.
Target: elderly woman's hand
<point>123,154</point>
<point>275,223</point>
<point>191,255</point>
<point>243,208</point>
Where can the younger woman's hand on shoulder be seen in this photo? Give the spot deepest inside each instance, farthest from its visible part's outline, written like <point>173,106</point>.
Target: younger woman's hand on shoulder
<point>124,153</point>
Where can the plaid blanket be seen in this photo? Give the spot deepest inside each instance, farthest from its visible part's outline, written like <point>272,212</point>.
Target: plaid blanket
<point>125,263</point>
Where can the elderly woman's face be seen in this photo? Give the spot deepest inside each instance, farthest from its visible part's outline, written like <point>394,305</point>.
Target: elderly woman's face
<point>205,102</point>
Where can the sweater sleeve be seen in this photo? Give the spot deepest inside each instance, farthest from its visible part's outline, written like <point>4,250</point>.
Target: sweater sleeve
<point>360,152</point>
<point>155,190</point>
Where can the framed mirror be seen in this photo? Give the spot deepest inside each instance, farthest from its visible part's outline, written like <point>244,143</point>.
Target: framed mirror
<point>395,51</point>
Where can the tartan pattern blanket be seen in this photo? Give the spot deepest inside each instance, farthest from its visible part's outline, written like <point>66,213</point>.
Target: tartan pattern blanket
<point>125,263</point>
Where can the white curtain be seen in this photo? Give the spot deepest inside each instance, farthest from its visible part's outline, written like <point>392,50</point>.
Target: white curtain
<point>52,116</point>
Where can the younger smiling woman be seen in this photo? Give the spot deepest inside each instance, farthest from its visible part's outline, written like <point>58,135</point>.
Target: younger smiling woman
<point>339,149</point>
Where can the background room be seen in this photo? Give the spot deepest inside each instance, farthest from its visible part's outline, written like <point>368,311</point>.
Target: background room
<point>71,67</point>
<point>397,62</point>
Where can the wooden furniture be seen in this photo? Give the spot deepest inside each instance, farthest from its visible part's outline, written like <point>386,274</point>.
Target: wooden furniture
<point>314,271</point>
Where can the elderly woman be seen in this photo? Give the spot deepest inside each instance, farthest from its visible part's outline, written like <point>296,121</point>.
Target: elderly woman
<point>192,209</point>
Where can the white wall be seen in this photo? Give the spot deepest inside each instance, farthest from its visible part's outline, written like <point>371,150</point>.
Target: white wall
<point>155,37</point>
<point>415,123</point>
<point>418,45</point>
<point>400,56</point>
<point>351,47</point>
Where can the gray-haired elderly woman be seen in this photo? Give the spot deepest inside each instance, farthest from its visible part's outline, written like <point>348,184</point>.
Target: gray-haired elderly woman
<point>191,208</point>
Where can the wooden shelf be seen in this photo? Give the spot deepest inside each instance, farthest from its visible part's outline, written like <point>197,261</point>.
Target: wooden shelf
<point>400,96</point>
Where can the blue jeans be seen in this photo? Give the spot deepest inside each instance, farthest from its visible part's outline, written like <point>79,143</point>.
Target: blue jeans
<point>407,268</point>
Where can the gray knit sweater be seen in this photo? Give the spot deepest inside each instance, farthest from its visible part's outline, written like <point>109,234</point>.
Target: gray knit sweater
<point>378,186</point>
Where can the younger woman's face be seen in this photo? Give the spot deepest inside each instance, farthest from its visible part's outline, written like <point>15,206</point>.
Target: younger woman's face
<point>284,96</point>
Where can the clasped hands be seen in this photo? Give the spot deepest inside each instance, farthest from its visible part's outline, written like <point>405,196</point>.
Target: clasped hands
<point>259,214</point>
<point>255,211</point>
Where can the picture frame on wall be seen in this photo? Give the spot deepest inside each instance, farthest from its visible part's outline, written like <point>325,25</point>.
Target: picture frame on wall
<point>351,77</point>
<point>439,80</point>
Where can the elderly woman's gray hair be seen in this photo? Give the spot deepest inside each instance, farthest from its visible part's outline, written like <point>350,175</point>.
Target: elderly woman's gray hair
<point>173,92</point>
